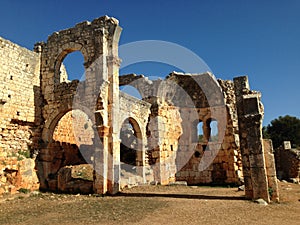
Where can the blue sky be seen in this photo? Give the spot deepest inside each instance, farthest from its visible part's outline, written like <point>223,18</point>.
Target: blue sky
<point>260,39</point>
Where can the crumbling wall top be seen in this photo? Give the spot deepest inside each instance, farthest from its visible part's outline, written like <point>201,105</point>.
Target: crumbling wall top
<point>96,24</point>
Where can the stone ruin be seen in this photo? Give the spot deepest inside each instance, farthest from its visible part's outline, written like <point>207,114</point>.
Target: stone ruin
<point>288,162</point>
<point>88,136</point>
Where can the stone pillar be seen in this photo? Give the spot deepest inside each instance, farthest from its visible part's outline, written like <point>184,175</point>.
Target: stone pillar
<point>141,158</point>
<point>101,159</point>
<point>43,166</point>
<point>250,115</point>
<point>206,131</point>
<point>271,170</point>
<point>114,140</point>
<point>113,65</point>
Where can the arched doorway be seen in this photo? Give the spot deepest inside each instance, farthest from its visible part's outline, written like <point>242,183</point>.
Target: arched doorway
<point>70,154</point>
<point>131,153</point>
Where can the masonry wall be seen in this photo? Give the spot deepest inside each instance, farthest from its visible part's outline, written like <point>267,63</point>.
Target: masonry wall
<point>216,160</point>
<point>288,163</point>
<point>164,130</point>
<point>163,122</point>
<point>19,114</point>
<point>75,128</point>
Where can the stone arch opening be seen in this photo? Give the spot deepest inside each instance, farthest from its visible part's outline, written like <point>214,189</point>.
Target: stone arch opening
<point>131,154</point>
<point>200,133</point>
<point>73,66</point>
<point>74,127</point>
<point>75,61</point>
<point>213,130</point>
<point>71,153</point>
<point>131,143</point>
<point>131,90</point>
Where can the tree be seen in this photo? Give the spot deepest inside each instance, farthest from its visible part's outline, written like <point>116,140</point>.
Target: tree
<point>286,128</point>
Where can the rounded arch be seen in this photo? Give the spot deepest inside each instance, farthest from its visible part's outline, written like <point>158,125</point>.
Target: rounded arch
<point>131,90</point>
<point>74,127</point>
<point>67,49</point>
<point>70,114</point>
<point>56,116</point>
<point>200,133</point>
<point>212,127</point>
<point>141,83</point>
<point>131,145</point>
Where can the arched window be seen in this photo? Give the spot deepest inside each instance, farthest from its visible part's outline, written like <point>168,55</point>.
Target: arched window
<point>200,134</point>
<point>72,67</point>
<point>212,130</point>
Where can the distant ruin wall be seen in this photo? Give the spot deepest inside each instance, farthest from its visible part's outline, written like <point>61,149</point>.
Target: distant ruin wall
<point>19,114</point>
<point>226,167</point>
<point>287,163</point>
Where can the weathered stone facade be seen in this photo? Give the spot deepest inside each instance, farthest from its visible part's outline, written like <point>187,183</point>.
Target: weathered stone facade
<point>69,125</point>
<point>19,115</point>
<point>288,162</point>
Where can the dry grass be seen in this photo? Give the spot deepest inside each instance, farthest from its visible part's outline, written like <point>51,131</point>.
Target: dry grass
<point>152,205</point>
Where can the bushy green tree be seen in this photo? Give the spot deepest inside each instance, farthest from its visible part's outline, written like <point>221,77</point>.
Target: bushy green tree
<point>284,128</point>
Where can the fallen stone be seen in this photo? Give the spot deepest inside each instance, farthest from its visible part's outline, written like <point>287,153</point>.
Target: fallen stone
<point>241,188</point>
<point>294,180</point>
<point>154,182</point>
<point>178,183</point>
<point>75,179</point>
<point>34,193</point>
<point>260,201</point>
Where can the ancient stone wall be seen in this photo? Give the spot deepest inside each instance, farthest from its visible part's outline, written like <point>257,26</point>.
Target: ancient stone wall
<point>75,123</point>
<point>98,43</point>
<point>212,160</point>
<point>75,128</point>
<point>196,98</point>
<point>231,140</point>
<point>135,113</point>
<point>164,130</point>
<point>288,163</point>
<point>19,114</point>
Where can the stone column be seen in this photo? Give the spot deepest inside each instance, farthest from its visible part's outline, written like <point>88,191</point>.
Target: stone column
<point>250,115</point>
<point>141,158</point>
<point>271,170</point>
<point>113,66</point>
<point>101,159</point>
<point>113,121</point>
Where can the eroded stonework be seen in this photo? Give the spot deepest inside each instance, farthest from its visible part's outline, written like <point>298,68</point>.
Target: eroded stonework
<point>88,136</point>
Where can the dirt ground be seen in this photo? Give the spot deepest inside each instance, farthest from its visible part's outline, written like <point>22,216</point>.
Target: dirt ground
<point>152,205</point>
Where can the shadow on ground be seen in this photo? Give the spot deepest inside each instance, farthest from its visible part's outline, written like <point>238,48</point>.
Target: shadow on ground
<point>187,196</point>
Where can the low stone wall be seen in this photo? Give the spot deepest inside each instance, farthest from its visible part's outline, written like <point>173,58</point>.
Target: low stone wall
<point>16,174</point>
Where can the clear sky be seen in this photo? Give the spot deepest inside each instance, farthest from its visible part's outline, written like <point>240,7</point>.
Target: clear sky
<point>260,39</point>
